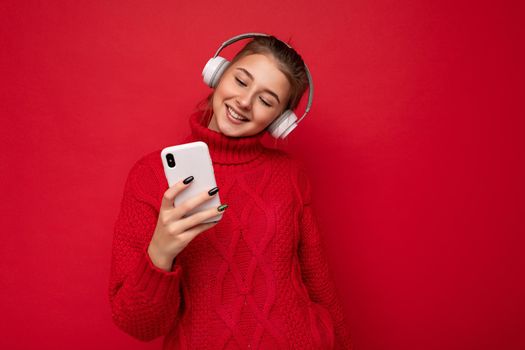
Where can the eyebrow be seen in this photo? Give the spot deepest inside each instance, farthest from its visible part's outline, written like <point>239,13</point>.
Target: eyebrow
<point>267,90</point>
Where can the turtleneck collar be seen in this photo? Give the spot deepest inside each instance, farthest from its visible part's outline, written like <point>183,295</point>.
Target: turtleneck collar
<point>224,149</point>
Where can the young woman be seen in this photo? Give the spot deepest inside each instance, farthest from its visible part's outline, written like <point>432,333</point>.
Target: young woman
<point>256,279</point>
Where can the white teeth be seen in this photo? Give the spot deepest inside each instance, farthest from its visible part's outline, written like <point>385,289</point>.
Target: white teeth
<point>235,115</point>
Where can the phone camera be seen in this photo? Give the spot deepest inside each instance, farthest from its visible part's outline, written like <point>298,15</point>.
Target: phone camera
<point>170,159</point>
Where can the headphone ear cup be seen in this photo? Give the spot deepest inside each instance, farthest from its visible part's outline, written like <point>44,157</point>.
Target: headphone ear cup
<point>213,70</point>
<point>288,130</point>
<point>283,125</point>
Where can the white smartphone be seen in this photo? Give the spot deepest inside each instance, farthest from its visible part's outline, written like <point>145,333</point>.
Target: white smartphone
<point>191,159</point>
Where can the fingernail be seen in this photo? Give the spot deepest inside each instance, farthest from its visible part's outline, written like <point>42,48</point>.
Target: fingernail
<point>222,207</point>
<point>188,180</point>
<point>213,191</point>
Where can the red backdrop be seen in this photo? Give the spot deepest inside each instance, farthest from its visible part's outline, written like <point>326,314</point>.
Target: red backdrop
<point>415,146</point>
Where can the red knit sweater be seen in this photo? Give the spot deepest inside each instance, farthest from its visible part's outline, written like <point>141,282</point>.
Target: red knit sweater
<point>257,280</point>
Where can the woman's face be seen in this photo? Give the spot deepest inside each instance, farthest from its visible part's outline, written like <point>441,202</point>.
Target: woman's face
<point>252,89</point>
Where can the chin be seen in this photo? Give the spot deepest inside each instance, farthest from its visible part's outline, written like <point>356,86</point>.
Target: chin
<point>229,130</point>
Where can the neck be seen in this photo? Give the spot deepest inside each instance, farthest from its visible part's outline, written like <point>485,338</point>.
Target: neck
<point>213,124</point>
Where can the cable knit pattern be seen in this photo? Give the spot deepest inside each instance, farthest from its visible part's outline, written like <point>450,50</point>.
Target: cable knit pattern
<point>257,280</point>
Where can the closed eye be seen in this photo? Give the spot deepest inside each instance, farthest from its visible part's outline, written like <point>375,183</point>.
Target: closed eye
<point>266,103</point>
<point>240,82</point>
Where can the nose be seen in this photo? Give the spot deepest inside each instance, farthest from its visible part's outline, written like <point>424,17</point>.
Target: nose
<point>244,100</point>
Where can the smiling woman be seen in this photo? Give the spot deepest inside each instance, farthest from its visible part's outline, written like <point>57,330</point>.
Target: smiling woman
<point>246,99</point>
<point>266,70</point>
<point>259,277</point>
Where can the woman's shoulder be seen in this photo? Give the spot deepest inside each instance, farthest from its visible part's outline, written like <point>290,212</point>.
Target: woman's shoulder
<point>294,166</point>
<point>151,159</point>
<point>286,158</point>
<point>146,163</point>
<point>145,177</point>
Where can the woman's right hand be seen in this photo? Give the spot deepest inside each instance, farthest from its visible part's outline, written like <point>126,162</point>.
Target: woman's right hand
<point>174,232</point>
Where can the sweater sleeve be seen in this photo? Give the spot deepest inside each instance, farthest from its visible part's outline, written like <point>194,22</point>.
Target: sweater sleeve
<point>315,270</point>
<point>144,299</point>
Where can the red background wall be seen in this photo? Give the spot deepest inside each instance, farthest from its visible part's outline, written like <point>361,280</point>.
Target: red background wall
<point>414,143</point>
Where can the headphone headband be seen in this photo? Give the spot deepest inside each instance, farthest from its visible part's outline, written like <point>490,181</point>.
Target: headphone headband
<point>252,35</point>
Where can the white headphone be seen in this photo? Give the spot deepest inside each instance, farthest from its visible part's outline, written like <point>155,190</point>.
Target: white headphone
<point>283,124</point>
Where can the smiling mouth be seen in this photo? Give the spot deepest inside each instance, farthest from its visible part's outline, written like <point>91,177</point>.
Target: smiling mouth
<point>236,115</point>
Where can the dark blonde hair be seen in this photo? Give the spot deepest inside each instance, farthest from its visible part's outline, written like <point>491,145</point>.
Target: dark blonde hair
<point>289,62</point>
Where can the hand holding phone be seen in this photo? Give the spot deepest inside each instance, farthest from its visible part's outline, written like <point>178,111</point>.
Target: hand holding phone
<point>189,206</point>
<point>175,229</point>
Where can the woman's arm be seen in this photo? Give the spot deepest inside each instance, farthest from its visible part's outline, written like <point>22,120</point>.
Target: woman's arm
<point>144,298</point>
<point>315,271</point>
